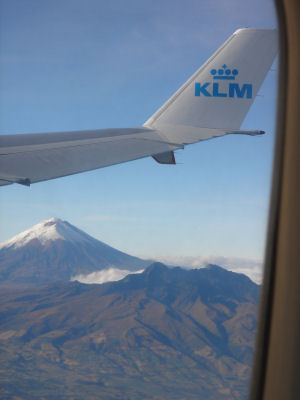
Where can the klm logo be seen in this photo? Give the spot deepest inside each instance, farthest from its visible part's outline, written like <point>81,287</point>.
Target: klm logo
<point>212,89</point>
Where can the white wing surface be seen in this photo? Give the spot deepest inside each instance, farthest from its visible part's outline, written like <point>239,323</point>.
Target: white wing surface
<point>212,103</point>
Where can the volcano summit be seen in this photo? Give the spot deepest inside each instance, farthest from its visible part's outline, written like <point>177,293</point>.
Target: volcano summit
<point>55,251</point>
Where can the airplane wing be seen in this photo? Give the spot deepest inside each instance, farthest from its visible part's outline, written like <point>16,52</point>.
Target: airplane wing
<point>27,159</point>
<point>212,103</point>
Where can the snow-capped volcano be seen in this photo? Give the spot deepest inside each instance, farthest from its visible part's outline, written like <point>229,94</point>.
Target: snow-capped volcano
<point>49,230</point>
<point>54,250</point>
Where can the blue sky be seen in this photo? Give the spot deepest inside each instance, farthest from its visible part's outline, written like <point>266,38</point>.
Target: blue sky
<point>72,65</point>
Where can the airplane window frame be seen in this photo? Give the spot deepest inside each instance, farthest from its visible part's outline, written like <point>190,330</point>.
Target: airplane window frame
<point>275,372</point>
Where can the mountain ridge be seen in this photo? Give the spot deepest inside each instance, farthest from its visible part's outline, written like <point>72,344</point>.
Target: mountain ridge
<point>158,334</point>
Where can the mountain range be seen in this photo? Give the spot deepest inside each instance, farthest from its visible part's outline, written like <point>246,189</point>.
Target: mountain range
<point>161,334</point>
<point>55,251</point>
<point>165,333</point>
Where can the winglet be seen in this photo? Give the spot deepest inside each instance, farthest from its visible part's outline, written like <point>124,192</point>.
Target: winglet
<point>218,96</point>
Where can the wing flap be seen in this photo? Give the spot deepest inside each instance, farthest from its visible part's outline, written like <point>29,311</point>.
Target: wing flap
<point>165,158</point>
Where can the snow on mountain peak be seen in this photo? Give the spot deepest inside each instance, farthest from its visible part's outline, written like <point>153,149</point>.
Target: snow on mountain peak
<point>49,230</point>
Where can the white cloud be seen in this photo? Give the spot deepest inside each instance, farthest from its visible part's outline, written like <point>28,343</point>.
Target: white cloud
<point>106,275</point>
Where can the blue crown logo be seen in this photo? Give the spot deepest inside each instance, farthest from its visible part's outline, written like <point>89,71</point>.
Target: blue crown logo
<point>224,73</point>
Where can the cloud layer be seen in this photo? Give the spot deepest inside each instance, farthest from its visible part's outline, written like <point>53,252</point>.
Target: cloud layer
<point>106,275</point>
<point>250,267</point>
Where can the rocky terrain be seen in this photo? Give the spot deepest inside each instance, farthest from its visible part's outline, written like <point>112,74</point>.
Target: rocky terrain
<point>162,334</point>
